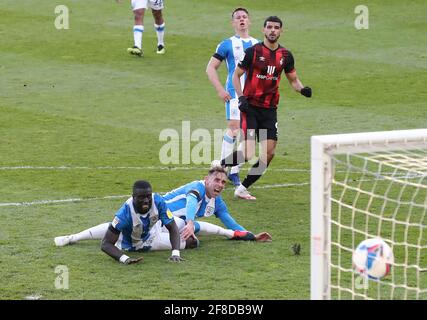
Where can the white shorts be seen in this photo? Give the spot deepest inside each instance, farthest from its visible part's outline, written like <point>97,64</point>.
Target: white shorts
<point>144,4</point>
<point>159,237</point>
<point>232,111</point>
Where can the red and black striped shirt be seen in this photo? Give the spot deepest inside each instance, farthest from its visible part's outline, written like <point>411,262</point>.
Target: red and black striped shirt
<point>263,68</point>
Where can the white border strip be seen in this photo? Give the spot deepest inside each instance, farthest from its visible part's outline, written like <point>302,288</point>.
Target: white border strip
<point>130,168</point>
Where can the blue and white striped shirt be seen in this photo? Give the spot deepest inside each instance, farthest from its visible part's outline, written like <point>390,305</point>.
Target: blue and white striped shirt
<point>134,227</point>
<point>190,202</point>
<point>232,50</point>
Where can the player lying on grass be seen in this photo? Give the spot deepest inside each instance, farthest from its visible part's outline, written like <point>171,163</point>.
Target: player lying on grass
<point>143,223</point>
<point>157,237</point>
<point>202,198</point>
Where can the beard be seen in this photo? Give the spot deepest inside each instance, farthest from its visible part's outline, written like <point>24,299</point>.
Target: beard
<point>272,41</point>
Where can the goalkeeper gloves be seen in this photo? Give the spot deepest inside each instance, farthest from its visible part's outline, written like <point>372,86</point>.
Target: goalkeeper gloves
<point>306,92</point>
<point>243,104</point>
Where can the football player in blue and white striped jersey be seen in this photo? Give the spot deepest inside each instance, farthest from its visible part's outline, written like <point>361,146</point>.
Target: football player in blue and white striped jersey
<point>202,198</point>
<point>148,221</point>
<point>143,223</point>
<point>231,50</point>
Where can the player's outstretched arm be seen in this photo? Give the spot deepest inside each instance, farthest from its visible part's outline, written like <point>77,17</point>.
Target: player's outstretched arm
<point>108,246</point>
<point>175,240</point>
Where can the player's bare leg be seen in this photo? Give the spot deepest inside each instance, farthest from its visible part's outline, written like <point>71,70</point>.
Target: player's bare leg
<point>138,29</point>
<point>159,26</point>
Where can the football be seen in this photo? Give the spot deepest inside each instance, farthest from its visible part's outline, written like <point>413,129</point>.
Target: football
<point>373,258</point>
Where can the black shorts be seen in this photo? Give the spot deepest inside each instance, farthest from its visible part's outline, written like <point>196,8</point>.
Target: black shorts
<point>260,123</point>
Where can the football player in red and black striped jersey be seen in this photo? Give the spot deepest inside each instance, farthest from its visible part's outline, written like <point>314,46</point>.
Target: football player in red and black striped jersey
<point>263,64</point>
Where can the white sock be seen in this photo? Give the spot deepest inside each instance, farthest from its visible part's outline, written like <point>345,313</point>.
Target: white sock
<point>160,31</point>
<point>241,188</point>
<point>207,228</point>
<point>227,149</point>
<point>94,233</point>
<point>227,145</point>
<point>137,35</point>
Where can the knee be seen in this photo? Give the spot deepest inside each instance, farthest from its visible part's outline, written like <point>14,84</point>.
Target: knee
<point>138,14</point>
<point>158,17</point>
<point>233,128</point>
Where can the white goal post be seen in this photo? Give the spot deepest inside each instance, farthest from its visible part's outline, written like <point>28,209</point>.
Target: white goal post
<point>365,185</point>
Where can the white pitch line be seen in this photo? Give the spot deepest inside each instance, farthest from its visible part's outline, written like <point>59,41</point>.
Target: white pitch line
<point>39,202</point>
<point>282,185</point>
<point>132,168</point>
<point>31,203</point>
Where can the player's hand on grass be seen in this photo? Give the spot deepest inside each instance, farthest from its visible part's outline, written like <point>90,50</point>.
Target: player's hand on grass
<point>263,237</point>
<point>243,104</point>
<point>306,92</point>
<point>133,260</point>
<point>176,259</point>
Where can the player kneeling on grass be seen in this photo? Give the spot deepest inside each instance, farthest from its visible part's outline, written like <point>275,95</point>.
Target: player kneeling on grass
<point>143,223</point>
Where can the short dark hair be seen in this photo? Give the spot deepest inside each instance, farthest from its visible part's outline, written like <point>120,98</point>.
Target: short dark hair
<point>273,19</point>
<point>217,169</point>
<point>239,9</point>
<point>141,184</point>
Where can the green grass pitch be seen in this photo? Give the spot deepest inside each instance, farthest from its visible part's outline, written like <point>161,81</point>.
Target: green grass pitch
<point>74,98</point>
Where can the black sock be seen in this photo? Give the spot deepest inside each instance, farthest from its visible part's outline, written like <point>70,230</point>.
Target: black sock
<point>233,159</point>
<point>254,174</point>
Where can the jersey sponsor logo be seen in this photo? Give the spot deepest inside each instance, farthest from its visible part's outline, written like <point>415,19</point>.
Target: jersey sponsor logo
<point>265,77</point>
<point>169,214</point>
<point>269,75</point>
<point>261,58</point>
<point>270,69</point>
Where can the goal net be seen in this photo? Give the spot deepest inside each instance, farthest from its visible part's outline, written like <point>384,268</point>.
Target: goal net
<point>368,185</point>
